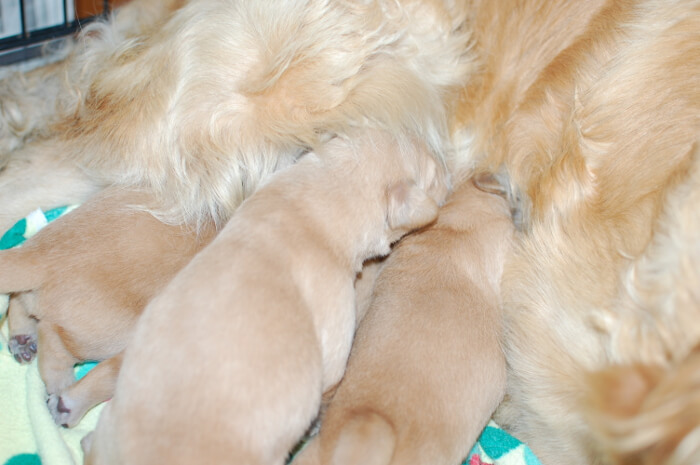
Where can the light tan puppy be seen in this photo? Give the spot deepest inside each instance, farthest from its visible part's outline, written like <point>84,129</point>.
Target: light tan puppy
<point>78,287</point>
<point>426,370</point>
<point>275,311</point>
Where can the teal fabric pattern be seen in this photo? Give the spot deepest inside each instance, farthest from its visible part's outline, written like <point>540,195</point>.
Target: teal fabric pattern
<point>28,226</point>
<point>495,446</point>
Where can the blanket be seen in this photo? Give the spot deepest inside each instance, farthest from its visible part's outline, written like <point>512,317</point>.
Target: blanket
<point>28,435</point>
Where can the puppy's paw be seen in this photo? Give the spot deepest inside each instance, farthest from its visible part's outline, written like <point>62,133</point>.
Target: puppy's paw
<point>61,412</point>
<point>23,347</point>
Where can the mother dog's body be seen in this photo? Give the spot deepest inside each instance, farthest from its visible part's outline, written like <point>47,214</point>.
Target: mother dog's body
<point>591,138</point>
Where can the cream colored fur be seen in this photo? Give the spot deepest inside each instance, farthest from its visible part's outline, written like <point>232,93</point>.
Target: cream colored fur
<point>589,111</point>
<point>646,409</point>
<point>201,107</point>
<point>264,316</point>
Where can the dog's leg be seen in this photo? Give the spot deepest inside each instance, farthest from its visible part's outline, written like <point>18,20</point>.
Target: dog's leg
<point>22,330</point>
<point>55,362</point>
<point>69,407</point>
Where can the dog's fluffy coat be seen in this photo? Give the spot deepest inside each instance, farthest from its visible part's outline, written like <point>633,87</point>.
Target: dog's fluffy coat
<point>220,94</point>
<point>591,138</point>
<point>588,111</point>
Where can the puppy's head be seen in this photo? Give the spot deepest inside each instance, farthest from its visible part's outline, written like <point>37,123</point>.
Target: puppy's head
<point>414,200</point>
<point>648,415</point>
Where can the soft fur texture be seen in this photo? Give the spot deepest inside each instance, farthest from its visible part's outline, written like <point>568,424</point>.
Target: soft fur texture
<point>201,107</point>
<point>78,287</point>
<point>586,110</point>
<point>265,314</point>
<point>646,410</point>
<point>38,176</point>
<point>426,370</point>
<point>589,110</point>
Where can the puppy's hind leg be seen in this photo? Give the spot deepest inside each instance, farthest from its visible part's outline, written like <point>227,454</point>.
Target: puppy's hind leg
<point>55,361</point>
<point>22,329</point>
<point>70,405</point>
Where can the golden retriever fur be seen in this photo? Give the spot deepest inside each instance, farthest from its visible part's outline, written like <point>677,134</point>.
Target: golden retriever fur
<point>199,108</point>
<point>426,370</point>
<point>645,409</point>
<point>264,316</point>
<point>589,113</point>
<point>78,287</point>
<point>34,102</point>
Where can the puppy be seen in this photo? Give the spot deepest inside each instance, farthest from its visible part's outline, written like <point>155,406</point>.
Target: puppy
<point>263,318</point>
<point>426,370</point>
<point>78,287</point>
<point>589,110</point>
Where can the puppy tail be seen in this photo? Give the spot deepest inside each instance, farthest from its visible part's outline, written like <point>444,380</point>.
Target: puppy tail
<point>18,271</point>
<point>366,439</point>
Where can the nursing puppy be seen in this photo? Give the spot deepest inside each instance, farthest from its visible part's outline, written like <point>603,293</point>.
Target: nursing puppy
<point>275,311</point>
<point>426,370</point>
<point>78,287</point>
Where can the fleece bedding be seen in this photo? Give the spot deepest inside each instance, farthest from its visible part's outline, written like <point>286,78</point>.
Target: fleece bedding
<point>28,435</point>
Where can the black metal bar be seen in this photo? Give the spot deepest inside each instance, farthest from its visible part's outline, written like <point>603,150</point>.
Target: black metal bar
<point>22,19</point>
<point>66,21</point>
<point>28,44</point>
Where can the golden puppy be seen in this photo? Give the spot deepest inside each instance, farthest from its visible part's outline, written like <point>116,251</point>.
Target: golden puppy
<point>263,318</point>
<point>78,287</point>
<point>426,370</point>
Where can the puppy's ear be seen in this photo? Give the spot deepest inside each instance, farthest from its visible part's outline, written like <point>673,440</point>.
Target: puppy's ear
<point>489,182</point>
<point>409,207</point>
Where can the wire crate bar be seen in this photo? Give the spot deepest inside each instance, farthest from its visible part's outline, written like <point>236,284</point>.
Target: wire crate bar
<point>28,43</point>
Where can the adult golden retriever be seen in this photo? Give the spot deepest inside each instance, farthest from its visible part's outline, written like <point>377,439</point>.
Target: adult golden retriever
<point>588,111</point>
